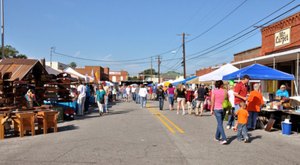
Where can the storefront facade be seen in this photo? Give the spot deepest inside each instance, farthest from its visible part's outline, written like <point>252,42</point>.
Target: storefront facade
<point>280,50</point>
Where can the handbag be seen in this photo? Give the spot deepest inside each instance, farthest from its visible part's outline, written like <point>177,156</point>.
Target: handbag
<point>226,105</point>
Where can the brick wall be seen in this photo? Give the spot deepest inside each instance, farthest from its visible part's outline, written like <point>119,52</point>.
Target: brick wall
<point>203,71</point>
<point>118,76</point>
<point>99,72</point>
<point>268,34</point>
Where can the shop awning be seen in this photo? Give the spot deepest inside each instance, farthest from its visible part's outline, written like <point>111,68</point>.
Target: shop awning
<point>259,72</point>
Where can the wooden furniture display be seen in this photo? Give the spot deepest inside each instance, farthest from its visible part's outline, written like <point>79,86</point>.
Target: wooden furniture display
<point>24,121</point>
<point>2,130</point>
<point>46,120</point>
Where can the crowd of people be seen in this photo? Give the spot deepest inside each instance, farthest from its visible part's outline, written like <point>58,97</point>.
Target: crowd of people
<point>242,114</point>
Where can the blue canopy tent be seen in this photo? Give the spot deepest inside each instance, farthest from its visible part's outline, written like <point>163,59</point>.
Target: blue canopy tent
<point>261,72</point>
<point>183,81</point>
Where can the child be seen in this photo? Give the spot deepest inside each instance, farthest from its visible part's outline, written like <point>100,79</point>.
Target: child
<point>242,115</point>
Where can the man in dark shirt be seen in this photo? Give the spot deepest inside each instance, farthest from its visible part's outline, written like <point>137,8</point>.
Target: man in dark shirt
<point>161,97</point>
<point>200,97</point>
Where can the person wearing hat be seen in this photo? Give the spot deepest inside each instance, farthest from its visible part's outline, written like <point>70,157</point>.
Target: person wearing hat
<point>282,92</point>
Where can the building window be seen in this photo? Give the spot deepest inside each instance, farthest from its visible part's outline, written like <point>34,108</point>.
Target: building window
<point>121,78</point>
<point>114,78</point>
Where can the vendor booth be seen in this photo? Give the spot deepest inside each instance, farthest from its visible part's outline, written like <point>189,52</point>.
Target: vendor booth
<point>274,109</point>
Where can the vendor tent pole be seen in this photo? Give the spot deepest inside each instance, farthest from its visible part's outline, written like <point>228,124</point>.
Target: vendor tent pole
<point>297,75</point>
<point>274,63</point>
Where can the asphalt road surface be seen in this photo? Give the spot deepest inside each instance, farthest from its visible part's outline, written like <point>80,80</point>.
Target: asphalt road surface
<point>132,135</point>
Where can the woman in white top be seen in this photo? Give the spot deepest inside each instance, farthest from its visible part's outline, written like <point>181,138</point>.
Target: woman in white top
<point>143,95</point>
<point>230,123</point>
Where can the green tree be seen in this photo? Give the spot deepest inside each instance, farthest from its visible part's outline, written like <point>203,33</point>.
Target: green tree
<point>73,65</point>
<point>11,52</point>
<point>148,72</point>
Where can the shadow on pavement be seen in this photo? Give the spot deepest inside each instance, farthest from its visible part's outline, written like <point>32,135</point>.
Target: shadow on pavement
<point>67,128</point>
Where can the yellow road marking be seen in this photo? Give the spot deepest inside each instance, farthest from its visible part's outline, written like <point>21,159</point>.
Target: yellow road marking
<point>165,121</point>
<point>165,124</point>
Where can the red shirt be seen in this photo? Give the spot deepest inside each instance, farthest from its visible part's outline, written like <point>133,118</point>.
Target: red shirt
<point>189,95</point>
<point>241,90</point>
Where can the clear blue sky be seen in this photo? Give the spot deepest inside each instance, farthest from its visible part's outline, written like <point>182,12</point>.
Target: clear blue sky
<point>118,30</point>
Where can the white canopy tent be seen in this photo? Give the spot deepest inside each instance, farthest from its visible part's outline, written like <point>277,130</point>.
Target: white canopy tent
<point>78,75</point>
<point>218,74</point>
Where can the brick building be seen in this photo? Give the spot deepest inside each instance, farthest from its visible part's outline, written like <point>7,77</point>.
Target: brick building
<point>118,76</point>
<point>280,49</point>
<point>203,71</point>
<point>100,73</point>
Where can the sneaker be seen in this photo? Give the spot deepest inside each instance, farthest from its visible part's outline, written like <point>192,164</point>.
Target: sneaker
<point>183,113</point>
<point>246,140</point>
<point>217,140</point>
<point>223,142</point>
<point>177,113</point>
<point>227,127</point>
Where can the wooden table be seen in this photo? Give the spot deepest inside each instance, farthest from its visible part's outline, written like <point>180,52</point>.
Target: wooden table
<point>47,119</point>
<point>24,121</point>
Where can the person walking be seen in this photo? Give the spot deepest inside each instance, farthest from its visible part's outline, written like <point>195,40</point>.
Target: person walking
<point>255,101</point>
<point>100,93</point>
<point>161,97</point>
<point>242,115</point>
<point>218,96</point>
<point>137,99</point>
<point>81,98</point>
<point>171,92</point>
<point>143,95</point>
<point>231,118</point>
<point>200,97</point>
<point>180,93</point>
<point>189,97</point>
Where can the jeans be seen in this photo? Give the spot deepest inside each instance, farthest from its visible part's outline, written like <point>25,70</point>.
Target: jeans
<point>252,118</point>
<point>161,102</point>
<point>143,101</point>
<point>133,96</point>
<point>220,130</point>
<point>171,100</point>
<point>230,122</point>
<point>137,99</point>
<point>242,132</point>
<point>87,104</point>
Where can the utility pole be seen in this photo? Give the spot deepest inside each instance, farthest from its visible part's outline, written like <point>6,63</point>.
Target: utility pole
<point>2,27</point>
<point>158,65</point>
<point>151,69</point>
<point>183,53</point>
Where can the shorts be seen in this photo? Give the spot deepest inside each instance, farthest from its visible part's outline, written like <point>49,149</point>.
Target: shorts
<point>180,99</point>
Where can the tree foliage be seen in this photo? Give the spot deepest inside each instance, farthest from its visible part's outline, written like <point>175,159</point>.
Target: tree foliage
<point>11,52</point>
<point>73,65</point>
<point>148,72</point>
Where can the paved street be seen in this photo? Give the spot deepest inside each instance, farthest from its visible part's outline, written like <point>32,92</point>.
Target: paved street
<point>132,135</point>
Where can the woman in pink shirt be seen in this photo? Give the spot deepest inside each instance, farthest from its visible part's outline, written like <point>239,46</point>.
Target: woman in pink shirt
<point>217,99</point>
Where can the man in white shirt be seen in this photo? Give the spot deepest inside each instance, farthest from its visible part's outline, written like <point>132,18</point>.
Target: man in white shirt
<point>133,88</point>
<point>81,90</point>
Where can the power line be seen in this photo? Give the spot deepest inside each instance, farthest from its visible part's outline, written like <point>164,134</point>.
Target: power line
<point>226,43</point>
<point>216,24</point>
